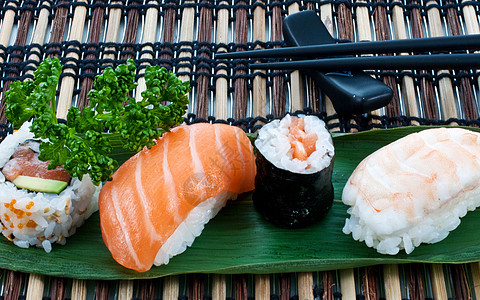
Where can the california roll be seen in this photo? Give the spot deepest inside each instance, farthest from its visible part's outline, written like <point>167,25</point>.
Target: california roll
<point>39,207</point>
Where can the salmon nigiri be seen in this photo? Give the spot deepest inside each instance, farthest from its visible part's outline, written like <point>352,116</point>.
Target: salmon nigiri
<point>161,198</point>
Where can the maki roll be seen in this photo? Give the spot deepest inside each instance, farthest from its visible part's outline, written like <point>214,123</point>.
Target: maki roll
<point>293,186</point>
<point>39,207</point>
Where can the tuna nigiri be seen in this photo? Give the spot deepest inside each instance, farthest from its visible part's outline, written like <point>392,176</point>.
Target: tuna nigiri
<point>160,199</point>
<point>414,190</point>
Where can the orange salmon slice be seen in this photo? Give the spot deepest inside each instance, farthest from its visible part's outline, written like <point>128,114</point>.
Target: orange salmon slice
<point>302,143</point>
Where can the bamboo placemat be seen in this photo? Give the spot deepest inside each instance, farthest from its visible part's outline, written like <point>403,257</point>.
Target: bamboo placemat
<point>184,36</point>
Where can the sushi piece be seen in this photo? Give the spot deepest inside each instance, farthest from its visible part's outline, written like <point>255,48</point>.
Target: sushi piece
<point>414,190</point>
<point>30,213</point>
<point>160,199</point>
<point>293,187</point>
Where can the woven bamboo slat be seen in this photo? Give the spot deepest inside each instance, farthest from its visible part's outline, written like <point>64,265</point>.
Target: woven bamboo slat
<point>219,288</point>
<point>79,289</point>
<point>262,286</point>
<point>438,283</point>
<point>184,36</point>
<point>392,282</point>
<point>68,83</point>
<point>39,36</point>
<point>447,100</point>
<point>148,37</point>
<point>125,289</point>
<point>382,32</point>
<point>297,93</point>
<point>347,283</point>
<point>113,28</point>
<point>363,29</point>
<point>221,84</point>
<point>410,102</point>
<point>259,93</point>
<point>35,286</point>
<point>170,288</point>
<point>7,25</point>
<point>305,286</point>
<point>475,267</point>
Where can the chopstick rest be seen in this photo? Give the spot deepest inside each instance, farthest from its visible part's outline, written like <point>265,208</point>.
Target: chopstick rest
<point>351,92</point>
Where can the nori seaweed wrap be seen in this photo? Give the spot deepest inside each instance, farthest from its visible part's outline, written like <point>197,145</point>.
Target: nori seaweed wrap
<point>293,186</point>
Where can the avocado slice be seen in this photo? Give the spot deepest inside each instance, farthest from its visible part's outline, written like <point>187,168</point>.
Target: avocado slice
<point>39,184</point>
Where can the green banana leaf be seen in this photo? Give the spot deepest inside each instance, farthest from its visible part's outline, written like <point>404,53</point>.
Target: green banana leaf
<point>238,240</point>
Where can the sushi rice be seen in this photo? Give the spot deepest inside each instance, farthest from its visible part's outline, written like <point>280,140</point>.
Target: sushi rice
<point>274,145</point>
<point>41,219</point>
<point>192,227</point>
<point>397,234</point>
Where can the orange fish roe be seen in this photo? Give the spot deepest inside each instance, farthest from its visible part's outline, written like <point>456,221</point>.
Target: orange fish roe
<point>20,225</point>
<point>31,224</point>
<point>8,205</point>
<point>29,205</point>
<point>18,212</point>
<point>7,217</point>
<point>28,214</point>
<point>11,225</point>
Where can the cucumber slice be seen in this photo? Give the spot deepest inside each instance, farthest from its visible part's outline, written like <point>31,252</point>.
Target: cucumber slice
<point>39,184</point>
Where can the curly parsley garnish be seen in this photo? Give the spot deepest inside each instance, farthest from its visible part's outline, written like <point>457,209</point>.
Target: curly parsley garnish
<point>79,145</point>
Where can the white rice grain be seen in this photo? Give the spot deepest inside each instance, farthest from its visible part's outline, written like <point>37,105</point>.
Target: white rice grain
<point>47,246</point>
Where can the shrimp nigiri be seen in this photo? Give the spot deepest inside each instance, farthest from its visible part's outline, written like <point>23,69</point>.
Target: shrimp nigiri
<point>414,190</point>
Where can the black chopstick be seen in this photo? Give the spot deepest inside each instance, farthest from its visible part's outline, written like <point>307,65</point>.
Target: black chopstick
<point>450,43</point>
<point>397,62</point>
